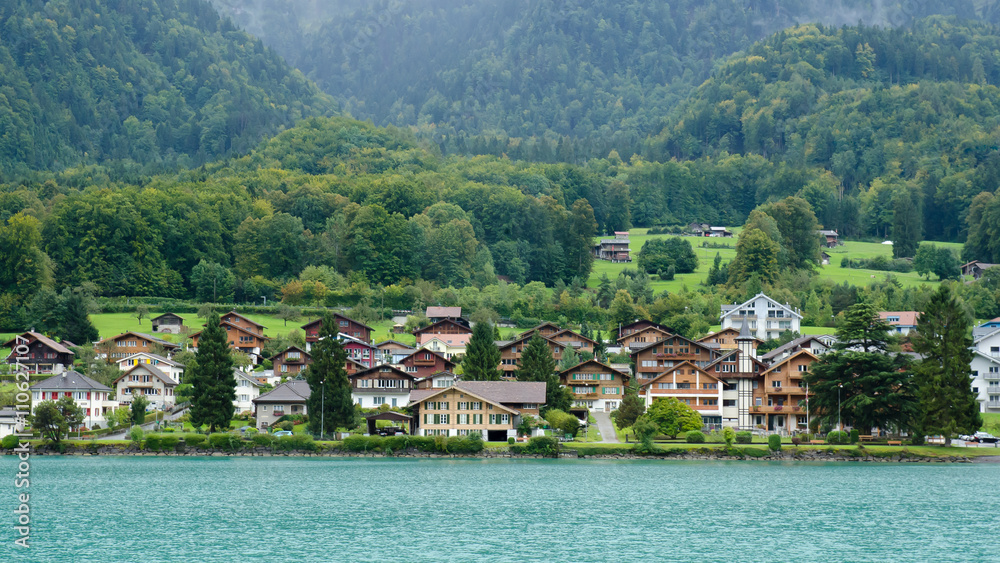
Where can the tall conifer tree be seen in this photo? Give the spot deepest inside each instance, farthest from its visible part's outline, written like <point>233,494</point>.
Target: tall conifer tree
<point>537,364</point>
<point>329,404</point>
<point>482,357</point>
<point>212,379</point>
<point>947,404</point>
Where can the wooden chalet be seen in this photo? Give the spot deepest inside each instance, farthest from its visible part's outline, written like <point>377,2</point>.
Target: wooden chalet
<point>38,353</point>
<point>595,386</point>
<point>510,353</point>
<point>345,325</point>
<point>167,323</point>
<point>128,343</point>
<point>381,385</point>
<point>423,363</point>
<point>655,358</point>
<point>449,331</point>
<point>290,361</point>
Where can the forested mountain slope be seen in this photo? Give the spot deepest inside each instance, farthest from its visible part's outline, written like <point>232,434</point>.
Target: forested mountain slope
<point>888,112</point>
<point>500,76</point>
<point>151,81</point>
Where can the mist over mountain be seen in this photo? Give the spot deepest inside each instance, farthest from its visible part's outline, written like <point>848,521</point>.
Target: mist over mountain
<point>537,79</point>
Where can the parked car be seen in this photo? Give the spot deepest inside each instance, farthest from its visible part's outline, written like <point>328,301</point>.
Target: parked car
<point>283,433</point>
<point>984,438</point>
<point>389,431</point>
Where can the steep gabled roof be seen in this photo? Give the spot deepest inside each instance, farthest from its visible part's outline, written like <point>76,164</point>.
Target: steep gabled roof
<point>294,391</point>
<point>426,351</point>
<point>442,322</point>
<point>669,372</point>
<point>534,329</point>
<point>727,357</point>
<point>35,336</point>
<point>692,342</point>
<point>290,348</point>
<point>788,346</point>
<point>338,316</point>
<point>160,341</point>
<point>656,328</point>
<point>70,381</point>
<point>603,365</point>
<point>728,310</point>
<point>402,345</point>
<point>247,319</point>
<point>158,317</point>
<point>906,318</point>
<point>380,369</point>
<point>495,392</point>
<point>439,312</point>
<point>528,337</point>
<point>791,357</point>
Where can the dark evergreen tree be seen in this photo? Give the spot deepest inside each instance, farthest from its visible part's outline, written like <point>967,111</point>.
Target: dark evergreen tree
<point>947,404</point>
<point>329,405</point>
<point>907,225</point>
<point>212,379</point>
<point>537,364</point>
<point>631,409</point>
<point>74,319</point>
<point>482,357</point>
<point>859,382</point>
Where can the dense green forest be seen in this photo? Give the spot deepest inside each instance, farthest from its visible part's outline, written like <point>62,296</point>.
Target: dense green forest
<point>889,112</point>
<point>157,83</point>
<point>541,80</point>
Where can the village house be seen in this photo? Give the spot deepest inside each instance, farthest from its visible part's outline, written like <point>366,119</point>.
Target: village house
<point>8,421</point>
<point>450,333</point>
<point>986,366</point>
<point>167,323</point>
<point>352,366</point>
<point>595,386</point>
<point>240,337</point>
<point>741,375</point>
<point>94,398</point>
<point>902,322</point>
<point>975,269</point>
<point>236,319</point>
<point>131,343</point>
<point>510,353</point>
<point>173,369</point>
<point>574,340</point>
<point>345,325</point>
<point>817,344</point>
<point>691,385</point>
<point>656,358</point>
<point>640,326</point>
<point>359,350</point>
<point>247,389</point>
<point>423,363</point>
<point>614,249</point>
<point>392,351</point>
<point>545,329</point>
<point>491,408</point>
<point>830,238</point>
<point>437,314</point>
<point>43,355</point>
<point>718,232</point>
<point>766,318</point>
<point>447,350</point>
<point>149,381</point>
<point>725,339</point>
<point>438,380</point>
<point>780,401</point>
<point>381,385</point>
<point>287,398</point>
<point>640,338</point>
<point>290,361</point>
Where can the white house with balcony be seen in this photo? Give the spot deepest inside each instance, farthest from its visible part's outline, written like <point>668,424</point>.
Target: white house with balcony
<point>149,381</point>
<point>247,389</point>
<point>175,370</point>
<point>986,367</point>
<point>765,317</point>
<point>94,398</point>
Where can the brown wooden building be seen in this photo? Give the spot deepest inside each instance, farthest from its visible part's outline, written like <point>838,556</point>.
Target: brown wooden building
<point>43,355</point>
<point>696,387</point>
<point>643,337</point>
<point>658,357</point>
<point>491,408</point>
<point>423,363</point>
<point>381,385</point>
<point>345,325</point>
<point>595,386</point>
<point>780,401</point>
<point>510,354</point>
<point>128,343</point>
<point>290,361</point>
<point>448,331</point>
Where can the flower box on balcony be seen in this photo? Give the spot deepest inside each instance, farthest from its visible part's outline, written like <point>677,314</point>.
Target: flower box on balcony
<point>778,408</point>
<point>796,409</point>
<point>755,408</point>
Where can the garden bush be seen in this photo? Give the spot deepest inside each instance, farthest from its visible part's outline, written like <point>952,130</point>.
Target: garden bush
<point>774,443</point>
<point>728,435</point>
<point>169,442</point>
<point>744,437</point>
<point>695,437</point>
<point>136,434</point>
<point>543,445</point>
<point>9,442</point>
<point>511,441</point>
<point>263,440</point>
<point>225,441</point>
<point>796,440</point>
<point>195,440</point>
<point>837,437</point>
<point>153,442</point>
<point>359,443</point>
<point>302,442</point>
<point>855,435</point>
<point>286,425</point>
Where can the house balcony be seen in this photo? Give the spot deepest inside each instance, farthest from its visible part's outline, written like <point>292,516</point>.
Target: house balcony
<point>593,395</point>
<point>991,376</point>
<point>778,409</point>
<point>291,361</point>
<point>785,390</point>
<point>278,413</point>
<point>418,362</point>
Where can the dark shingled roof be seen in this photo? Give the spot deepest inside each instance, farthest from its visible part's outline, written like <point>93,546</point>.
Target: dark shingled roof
<point>44,340</point>
<point>497,391</point>
<point>70,380</point>
<point>295,391</point>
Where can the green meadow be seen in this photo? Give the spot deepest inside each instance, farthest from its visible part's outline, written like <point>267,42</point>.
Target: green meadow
<point>833,271</point>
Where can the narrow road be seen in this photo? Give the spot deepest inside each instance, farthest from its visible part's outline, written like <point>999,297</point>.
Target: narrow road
<point>607,429</point>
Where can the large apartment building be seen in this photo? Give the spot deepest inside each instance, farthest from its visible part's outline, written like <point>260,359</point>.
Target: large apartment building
<point>765,317</point>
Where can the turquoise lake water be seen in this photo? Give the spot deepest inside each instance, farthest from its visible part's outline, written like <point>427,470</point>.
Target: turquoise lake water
<point>137,509</point>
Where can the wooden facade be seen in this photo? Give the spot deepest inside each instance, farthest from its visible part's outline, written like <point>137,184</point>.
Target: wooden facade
<point>510,354</point>
<point>345,325</point>
<point>290,361</point>
<point>126,344</point>
<point>595,386</point>
<point>451,332</point>
<point>423,363</point>
<point>39,353</point>
<point>643,337</point>
<point>381,385</point>
<point>660,356</point>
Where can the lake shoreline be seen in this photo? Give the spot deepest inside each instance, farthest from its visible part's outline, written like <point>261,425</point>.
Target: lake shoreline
<point>836,454</point>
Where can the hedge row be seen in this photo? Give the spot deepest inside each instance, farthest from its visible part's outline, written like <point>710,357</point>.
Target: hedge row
<point>390,444</point>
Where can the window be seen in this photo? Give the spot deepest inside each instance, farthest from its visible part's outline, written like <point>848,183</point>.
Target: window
<point>430,405</point>
<point>463,419</point>
<point>504,419</point>
<point>665,386</point>
<point>378,401</point>
<point>709,402</point>
<point>477,419</point>
<point>293,356</point>
<point>776,384</point>
<point>683,385</point>
<point>649,363</point>
<point>284,368</point>
<point>477,406</point>
<point>803,368</point>
<point>729,402</point>
<point>757,401</point>
<point>709,385</point>
<point>610,390</point>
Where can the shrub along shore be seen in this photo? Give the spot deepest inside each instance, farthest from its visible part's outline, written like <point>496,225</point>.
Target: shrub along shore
<point>440,446</point>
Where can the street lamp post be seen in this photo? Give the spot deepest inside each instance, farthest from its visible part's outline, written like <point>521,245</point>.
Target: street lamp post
<point>264,297</point>
<point>322,409</point>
